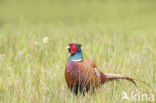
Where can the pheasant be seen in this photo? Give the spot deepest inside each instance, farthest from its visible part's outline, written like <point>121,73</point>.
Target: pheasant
<point>83,75</point>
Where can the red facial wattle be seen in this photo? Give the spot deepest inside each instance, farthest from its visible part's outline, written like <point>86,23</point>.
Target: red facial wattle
<point>73,48</point>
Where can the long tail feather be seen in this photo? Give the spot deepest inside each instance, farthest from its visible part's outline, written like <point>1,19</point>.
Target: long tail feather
<point>107,77</point>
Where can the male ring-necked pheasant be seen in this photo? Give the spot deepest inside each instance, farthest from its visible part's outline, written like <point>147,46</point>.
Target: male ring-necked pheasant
<point>83,75</point>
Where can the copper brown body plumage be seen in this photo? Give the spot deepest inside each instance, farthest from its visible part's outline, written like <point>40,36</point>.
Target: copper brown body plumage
<point>83,75</point>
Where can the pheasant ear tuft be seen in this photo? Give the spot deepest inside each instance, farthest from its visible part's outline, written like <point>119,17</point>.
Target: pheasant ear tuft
<point>79,45</point>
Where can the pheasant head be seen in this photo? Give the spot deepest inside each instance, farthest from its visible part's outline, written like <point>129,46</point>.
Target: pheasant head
<point>75,51</point>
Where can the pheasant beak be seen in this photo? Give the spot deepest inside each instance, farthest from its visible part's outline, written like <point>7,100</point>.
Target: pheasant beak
<point>68,47</point>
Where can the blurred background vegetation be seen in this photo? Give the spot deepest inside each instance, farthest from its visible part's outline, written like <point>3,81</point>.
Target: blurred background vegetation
<point>71,11</point>
<point>118,35</point>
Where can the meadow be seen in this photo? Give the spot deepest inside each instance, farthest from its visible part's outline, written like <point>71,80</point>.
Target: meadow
<point>118,35</point>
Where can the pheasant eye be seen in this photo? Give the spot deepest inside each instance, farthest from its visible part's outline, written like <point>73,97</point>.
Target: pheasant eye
<point>74,46</point>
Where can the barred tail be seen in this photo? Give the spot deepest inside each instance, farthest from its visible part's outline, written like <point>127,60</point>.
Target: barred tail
<point>107,77</point>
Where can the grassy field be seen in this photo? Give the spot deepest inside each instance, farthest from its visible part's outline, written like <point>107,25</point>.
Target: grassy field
<point>118,35</point>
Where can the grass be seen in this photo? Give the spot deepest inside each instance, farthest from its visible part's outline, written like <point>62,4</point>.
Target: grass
<point>119,36</point>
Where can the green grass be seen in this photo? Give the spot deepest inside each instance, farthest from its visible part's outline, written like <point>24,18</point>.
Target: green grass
<point>119,36</point>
